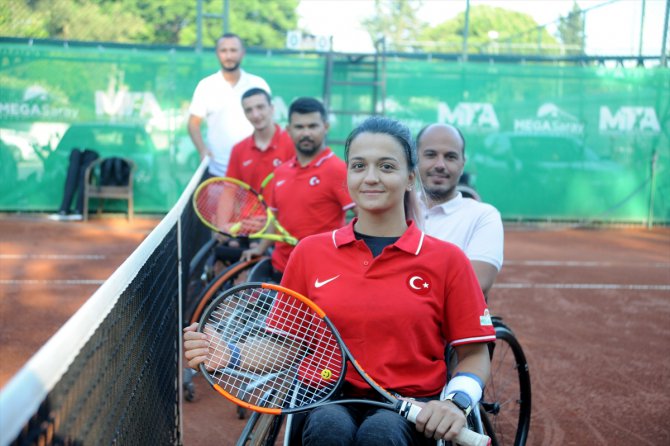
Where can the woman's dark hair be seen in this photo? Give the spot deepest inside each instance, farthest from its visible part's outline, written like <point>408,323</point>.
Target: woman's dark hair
<point>398,131</point>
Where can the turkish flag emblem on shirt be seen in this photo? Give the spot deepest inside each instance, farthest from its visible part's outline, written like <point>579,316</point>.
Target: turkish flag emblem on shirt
<point>418,283</point>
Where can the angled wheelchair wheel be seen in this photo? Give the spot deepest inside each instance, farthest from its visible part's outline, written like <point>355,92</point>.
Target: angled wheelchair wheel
<point>487,427</point>
<point>506,401</point>
<point>189,385</point>
<point>468,192</point>
<point>261,430</point>
<point>200,273</point>
<point>233,275</point>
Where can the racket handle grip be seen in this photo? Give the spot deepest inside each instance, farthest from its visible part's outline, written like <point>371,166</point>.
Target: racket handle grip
<point>465,437</point>
<point>409,411</point>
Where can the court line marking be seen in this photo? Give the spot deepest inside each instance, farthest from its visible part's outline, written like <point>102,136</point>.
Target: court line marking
<point>584,286</point>
<point>584,263</point>
<point>53,256</point>
<point>51,282</point>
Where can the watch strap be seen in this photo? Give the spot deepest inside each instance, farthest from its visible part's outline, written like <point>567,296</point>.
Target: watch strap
<point>461,400</point>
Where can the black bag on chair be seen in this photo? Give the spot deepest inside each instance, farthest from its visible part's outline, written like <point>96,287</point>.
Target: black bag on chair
<point>114,171</point>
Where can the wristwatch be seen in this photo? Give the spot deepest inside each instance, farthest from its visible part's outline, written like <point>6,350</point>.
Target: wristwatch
<point>461,400</point>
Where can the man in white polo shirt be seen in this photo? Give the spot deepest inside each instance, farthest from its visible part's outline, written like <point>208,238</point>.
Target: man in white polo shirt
<point>473,226</point>
<point>217,100</point>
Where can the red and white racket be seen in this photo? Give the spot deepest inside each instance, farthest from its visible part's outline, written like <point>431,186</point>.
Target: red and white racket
<point>233,208</point>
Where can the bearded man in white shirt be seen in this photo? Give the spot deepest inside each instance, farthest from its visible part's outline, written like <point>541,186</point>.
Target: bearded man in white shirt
<point>217,102</point>
<point>473,226</point>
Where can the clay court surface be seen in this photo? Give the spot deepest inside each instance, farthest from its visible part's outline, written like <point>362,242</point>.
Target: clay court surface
<point>591,308</point>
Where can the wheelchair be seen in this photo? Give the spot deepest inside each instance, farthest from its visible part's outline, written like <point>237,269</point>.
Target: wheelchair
<point>264,429</point>
<point>258,269</point>
<point>505,407</point>
<point>503,412</point>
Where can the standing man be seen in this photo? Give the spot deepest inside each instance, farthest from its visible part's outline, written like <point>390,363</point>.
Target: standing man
<point>216,100</point>
<point>309,192</point>
<point>257,156</point>
<point>473,226</point>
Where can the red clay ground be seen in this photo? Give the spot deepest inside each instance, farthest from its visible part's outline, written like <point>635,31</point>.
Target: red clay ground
<point>591,308</point>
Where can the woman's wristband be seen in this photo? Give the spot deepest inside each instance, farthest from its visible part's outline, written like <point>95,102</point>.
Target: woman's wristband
<point>468,383</point>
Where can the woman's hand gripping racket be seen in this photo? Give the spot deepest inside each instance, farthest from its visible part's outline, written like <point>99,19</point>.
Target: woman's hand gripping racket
<point>274,351</point>
<point>233,208</point>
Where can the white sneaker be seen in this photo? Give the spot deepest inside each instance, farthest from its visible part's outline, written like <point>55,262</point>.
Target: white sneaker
<point>60,216</point>
<point>64,216</point>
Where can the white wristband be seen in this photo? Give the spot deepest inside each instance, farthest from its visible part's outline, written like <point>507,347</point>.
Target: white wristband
<point>466,384</point>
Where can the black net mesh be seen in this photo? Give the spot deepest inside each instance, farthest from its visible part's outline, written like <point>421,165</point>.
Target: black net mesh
<point>122,387</point>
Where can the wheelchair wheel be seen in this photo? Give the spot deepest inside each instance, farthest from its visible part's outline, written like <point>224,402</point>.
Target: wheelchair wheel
<point>468,192</point>
<point>506,402</point>
<point>487,427</point>
<point>200,272</point>
<point>261,430</point>
<point>233,275</point>
<point>189,385</point>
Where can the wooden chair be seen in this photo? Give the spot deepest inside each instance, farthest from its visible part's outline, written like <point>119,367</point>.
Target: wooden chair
<point>93,188</point>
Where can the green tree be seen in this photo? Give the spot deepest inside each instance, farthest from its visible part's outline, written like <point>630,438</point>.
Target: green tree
<point>262,23</point>
<point>70,20</point>
<point>571,31</point>
<point>259,23</point>
<point>397,22</point>
<point>166,22</point>
<point>491,30</point>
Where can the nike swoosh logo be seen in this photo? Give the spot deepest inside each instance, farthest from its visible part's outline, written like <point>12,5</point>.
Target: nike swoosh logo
<point>280,182</point>
<point>247,162</point>
<point>318,284</point>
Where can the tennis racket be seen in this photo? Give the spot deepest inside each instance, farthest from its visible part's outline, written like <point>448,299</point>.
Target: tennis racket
<point>233,208</point>
<point>274,351</point>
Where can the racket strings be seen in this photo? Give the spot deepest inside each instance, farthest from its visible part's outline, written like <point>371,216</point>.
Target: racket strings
<point>320,367</point>
<point>231,208</point>
<point>285,349</point>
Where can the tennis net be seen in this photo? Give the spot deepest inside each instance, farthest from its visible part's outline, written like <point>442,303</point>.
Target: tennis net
<point>111,374</point>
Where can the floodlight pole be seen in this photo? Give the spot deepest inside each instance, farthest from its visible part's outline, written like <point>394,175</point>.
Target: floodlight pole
<point>664,51</point>
<point>198,23</point>
<point>466,31</point>
<point>639,51</point>
<point>226,12</point>
<point>200,15</point>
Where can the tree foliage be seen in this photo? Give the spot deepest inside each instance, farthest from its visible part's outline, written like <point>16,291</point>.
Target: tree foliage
<point>571,30</point>
<point>166,22</point>
<point>397,21</point>
<point>490,30</point>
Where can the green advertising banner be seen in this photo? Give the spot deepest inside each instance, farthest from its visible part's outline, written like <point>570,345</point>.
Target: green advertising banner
<point>544,142</point>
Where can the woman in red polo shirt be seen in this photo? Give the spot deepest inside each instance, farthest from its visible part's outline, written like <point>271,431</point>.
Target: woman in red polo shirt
<point>397,297</point>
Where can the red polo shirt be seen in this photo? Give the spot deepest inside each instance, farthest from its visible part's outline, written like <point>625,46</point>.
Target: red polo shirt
<point>252,165</point>
<point>396,312</point>
<point>308,200</point>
